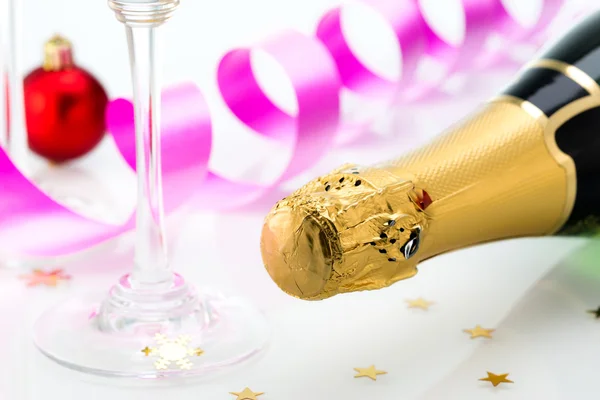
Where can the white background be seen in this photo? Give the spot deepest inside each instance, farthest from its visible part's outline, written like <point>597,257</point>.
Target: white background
<point>534,292</point>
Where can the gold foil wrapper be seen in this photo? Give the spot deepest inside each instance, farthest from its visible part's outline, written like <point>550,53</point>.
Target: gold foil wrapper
<point>495,175</point>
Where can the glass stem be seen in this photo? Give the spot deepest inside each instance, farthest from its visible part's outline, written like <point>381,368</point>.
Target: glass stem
<point>151,266</point>
<point>14,136</point>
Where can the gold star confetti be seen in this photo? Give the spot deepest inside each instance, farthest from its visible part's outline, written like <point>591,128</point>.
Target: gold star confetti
<point>51,278</point>
<point>198,352</point>
<point>246,394</point>
<point>478,331</point>
<point>496,379</point>
<point>370,372</point>
<point>596,312</point>
<point>419,303</point>
<point>171,351</point>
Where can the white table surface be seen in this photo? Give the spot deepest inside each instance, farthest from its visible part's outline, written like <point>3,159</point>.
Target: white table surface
<point>534,292</point>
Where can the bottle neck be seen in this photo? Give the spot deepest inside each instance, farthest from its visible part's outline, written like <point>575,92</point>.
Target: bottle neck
<point>493,176</point>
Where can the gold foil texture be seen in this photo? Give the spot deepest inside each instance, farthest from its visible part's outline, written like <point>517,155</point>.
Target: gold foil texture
<point>490,177</point>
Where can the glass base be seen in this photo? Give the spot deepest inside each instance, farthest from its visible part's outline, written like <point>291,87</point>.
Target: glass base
<point>182,335</point>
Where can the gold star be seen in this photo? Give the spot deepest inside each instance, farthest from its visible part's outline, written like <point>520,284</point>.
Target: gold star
<point>48,278</point>
<point>478,331</point>
<point>246,394</point>
<point>147,350</point>
<point>419,303</point>
<point>370,372</point>
<point>496,379</point>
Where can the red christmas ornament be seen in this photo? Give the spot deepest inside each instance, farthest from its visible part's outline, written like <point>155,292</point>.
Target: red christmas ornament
<point>64,105</point>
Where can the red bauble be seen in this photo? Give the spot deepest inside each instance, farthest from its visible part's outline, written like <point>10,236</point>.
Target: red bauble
<point>64,106</point>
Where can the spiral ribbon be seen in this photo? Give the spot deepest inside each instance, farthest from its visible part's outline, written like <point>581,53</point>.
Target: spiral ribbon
<point>32,223</point>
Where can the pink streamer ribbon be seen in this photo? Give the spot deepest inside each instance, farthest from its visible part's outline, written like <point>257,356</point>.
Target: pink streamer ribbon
<point>32,223</point>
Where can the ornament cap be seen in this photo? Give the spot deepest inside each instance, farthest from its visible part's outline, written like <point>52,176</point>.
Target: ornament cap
<point>58,54</point>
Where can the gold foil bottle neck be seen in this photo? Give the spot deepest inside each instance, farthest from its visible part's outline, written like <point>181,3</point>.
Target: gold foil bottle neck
<point>490,177</point>
<point>315,242</point>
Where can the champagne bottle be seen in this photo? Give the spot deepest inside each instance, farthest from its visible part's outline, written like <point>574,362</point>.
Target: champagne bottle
<point>525,163</point>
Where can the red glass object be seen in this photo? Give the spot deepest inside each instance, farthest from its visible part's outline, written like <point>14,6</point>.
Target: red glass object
<point>64,106</point>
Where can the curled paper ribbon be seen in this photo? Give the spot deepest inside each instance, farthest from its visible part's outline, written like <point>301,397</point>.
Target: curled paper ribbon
<point>310,133</point>
<point>319,68</point>
<point>416,40</point>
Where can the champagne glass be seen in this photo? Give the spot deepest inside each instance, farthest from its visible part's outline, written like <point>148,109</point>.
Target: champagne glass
<point>152,323</point>
<point>13,138</point>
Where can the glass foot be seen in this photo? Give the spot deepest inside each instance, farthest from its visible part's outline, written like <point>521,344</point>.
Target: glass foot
<point>131,334</point>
